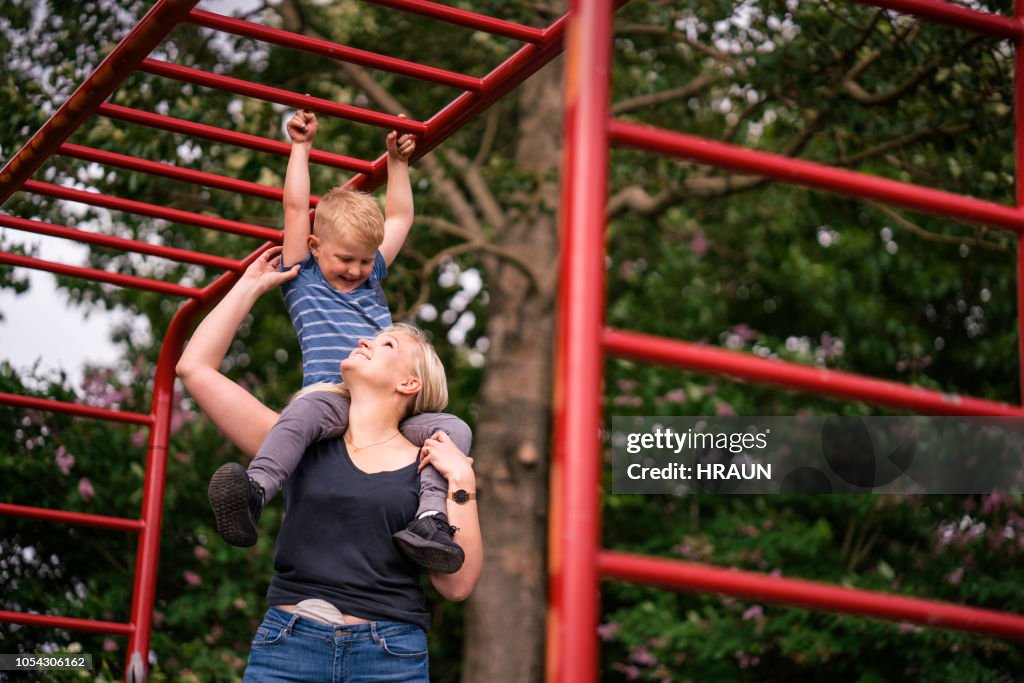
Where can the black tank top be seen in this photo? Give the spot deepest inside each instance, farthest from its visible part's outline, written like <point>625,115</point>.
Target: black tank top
<point>335,543</point>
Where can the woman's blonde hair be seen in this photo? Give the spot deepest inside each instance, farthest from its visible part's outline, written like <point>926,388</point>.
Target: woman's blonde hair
<point>427,367</point>
<point>350,213</point>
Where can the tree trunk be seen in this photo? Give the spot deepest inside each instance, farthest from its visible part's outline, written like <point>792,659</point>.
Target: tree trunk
<point>505,616</point>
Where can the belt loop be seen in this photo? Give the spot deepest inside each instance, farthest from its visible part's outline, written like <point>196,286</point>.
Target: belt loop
<point>373,632</point>
<point>291,623</point>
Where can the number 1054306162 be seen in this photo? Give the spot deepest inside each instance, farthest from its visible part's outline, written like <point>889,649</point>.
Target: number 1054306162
<point>42,662</point>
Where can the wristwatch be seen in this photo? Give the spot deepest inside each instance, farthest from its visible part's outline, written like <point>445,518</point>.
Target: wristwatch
<point>462,496</point>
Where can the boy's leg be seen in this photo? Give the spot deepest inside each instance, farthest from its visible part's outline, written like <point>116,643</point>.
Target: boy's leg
<point>427,540</point>
<point>433,493</point>
<point>237,495</point>
<point>421,427</point>
<point>311,418</point>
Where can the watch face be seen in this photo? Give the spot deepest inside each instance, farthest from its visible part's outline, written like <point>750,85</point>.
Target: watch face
<point>460,497</point>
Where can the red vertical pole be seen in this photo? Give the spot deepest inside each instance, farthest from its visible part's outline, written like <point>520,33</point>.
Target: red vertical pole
<point>148,553</point>
<point>1018,106</point>
<point>575,473</point>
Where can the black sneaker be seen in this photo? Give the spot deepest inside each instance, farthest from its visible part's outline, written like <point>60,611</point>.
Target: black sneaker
<point>427,541</point>
<point>237,502</point>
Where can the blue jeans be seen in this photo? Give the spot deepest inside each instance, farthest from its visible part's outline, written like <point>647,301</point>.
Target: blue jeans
<point>292,648</point>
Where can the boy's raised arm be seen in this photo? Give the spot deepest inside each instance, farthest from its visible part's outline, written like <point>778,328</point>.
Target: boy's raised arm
<point>398,203</point>
<point>301,129</point>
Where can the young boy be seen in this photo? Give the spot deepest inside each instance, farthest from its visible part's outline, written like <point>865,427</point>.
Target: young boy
<point>335,301</point>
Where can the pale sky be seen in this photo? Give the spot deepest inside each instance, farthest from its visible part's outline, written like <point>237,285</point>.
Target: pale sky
<point>39,325</point>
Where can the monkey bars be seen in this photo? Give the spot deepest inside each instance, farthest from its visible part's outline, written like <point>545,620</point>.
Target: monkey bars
<point>90,99</point>
<point>577,561</point>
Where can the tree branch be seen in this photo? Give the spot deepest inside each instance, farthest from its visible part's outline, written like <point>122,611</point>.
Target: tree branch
<point>719,186</point>
<point>431,265</point>
<point>692,88</point>
<point>860,67</point>
<point>447,227</point>
<point>290,12</point>
<point>933,237</point>
<point>456,200</point>
<point>634,198</point>
<point>856,92</point>
<point>478,187</point>
<point>490,134</point>
<point>896,143</point>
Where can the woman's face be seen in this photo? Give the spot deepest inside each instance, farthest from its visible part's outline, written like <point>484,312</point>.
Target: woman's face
<point>388,358</point>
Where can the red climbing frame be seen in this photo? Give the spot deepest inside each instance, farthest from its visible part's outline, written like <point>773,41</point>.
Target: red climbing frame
<point>577,561</point>
<point>132,54</point>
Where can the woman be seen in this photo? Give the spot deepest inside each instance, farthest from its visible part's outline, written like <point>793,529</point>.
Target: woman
<point>345,604</point>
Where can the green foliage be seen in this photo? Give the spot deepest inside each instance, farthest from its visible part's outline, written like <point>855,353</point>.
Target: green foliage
<point>953,549</point>
<point>820,280</point>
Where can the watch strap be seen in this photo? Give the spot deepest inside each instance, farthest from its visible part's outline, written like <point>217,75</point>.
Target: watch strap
<point>462,496</point>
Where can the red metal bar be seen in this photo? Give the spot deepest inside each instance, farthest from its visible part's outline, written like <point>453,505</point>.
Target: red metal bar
<point>326,48</point>
<point>509,74</point>
<point>480,22</point>
<point>101,521</point>
<point>687,576</point>
<point>51,406</point>
<point>956,16</point>
<point>172,253</point>
<point>1018,105</point>
<point>214,134</point>
<point>503,79</point>
<point>69,623</point>
<point>147,557</point>
<point>147,34</point>
<point>171,171</point>
<point>98,275</point>
<point>270,94</point>
<point>821,381</point>
<point>152,210</point>
<point>819,176</point>
<point>575,477</point>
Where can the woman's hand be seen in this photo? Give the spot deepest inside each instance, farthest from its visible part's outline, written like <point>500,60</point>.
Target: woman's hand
<point>237,413</point>
<point>265,274</point>
<point>441,452</point>
<point>445,456</point>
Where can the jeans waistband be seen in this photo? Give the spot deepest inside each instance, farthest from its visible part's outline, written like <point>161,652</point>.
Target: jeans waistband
<point>373,629</point>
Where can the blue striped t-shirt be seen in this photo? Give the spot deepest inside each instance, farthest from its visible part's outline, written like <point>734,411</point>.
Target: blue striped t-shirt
<point>330,323</point>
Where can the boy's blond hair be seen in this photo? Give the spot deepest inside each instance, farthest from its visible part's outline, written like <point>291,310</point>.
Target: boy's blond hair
<point>351,213</point>
<point>427,367</point>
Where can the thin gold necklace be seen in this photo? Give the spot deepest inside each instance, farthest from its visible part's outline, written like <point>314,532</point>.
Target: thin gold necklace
<point>363,448</point>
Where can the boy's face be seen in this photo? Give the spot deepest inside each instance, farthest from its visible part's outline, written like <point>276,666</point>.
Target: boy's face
<point>344,261</point>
